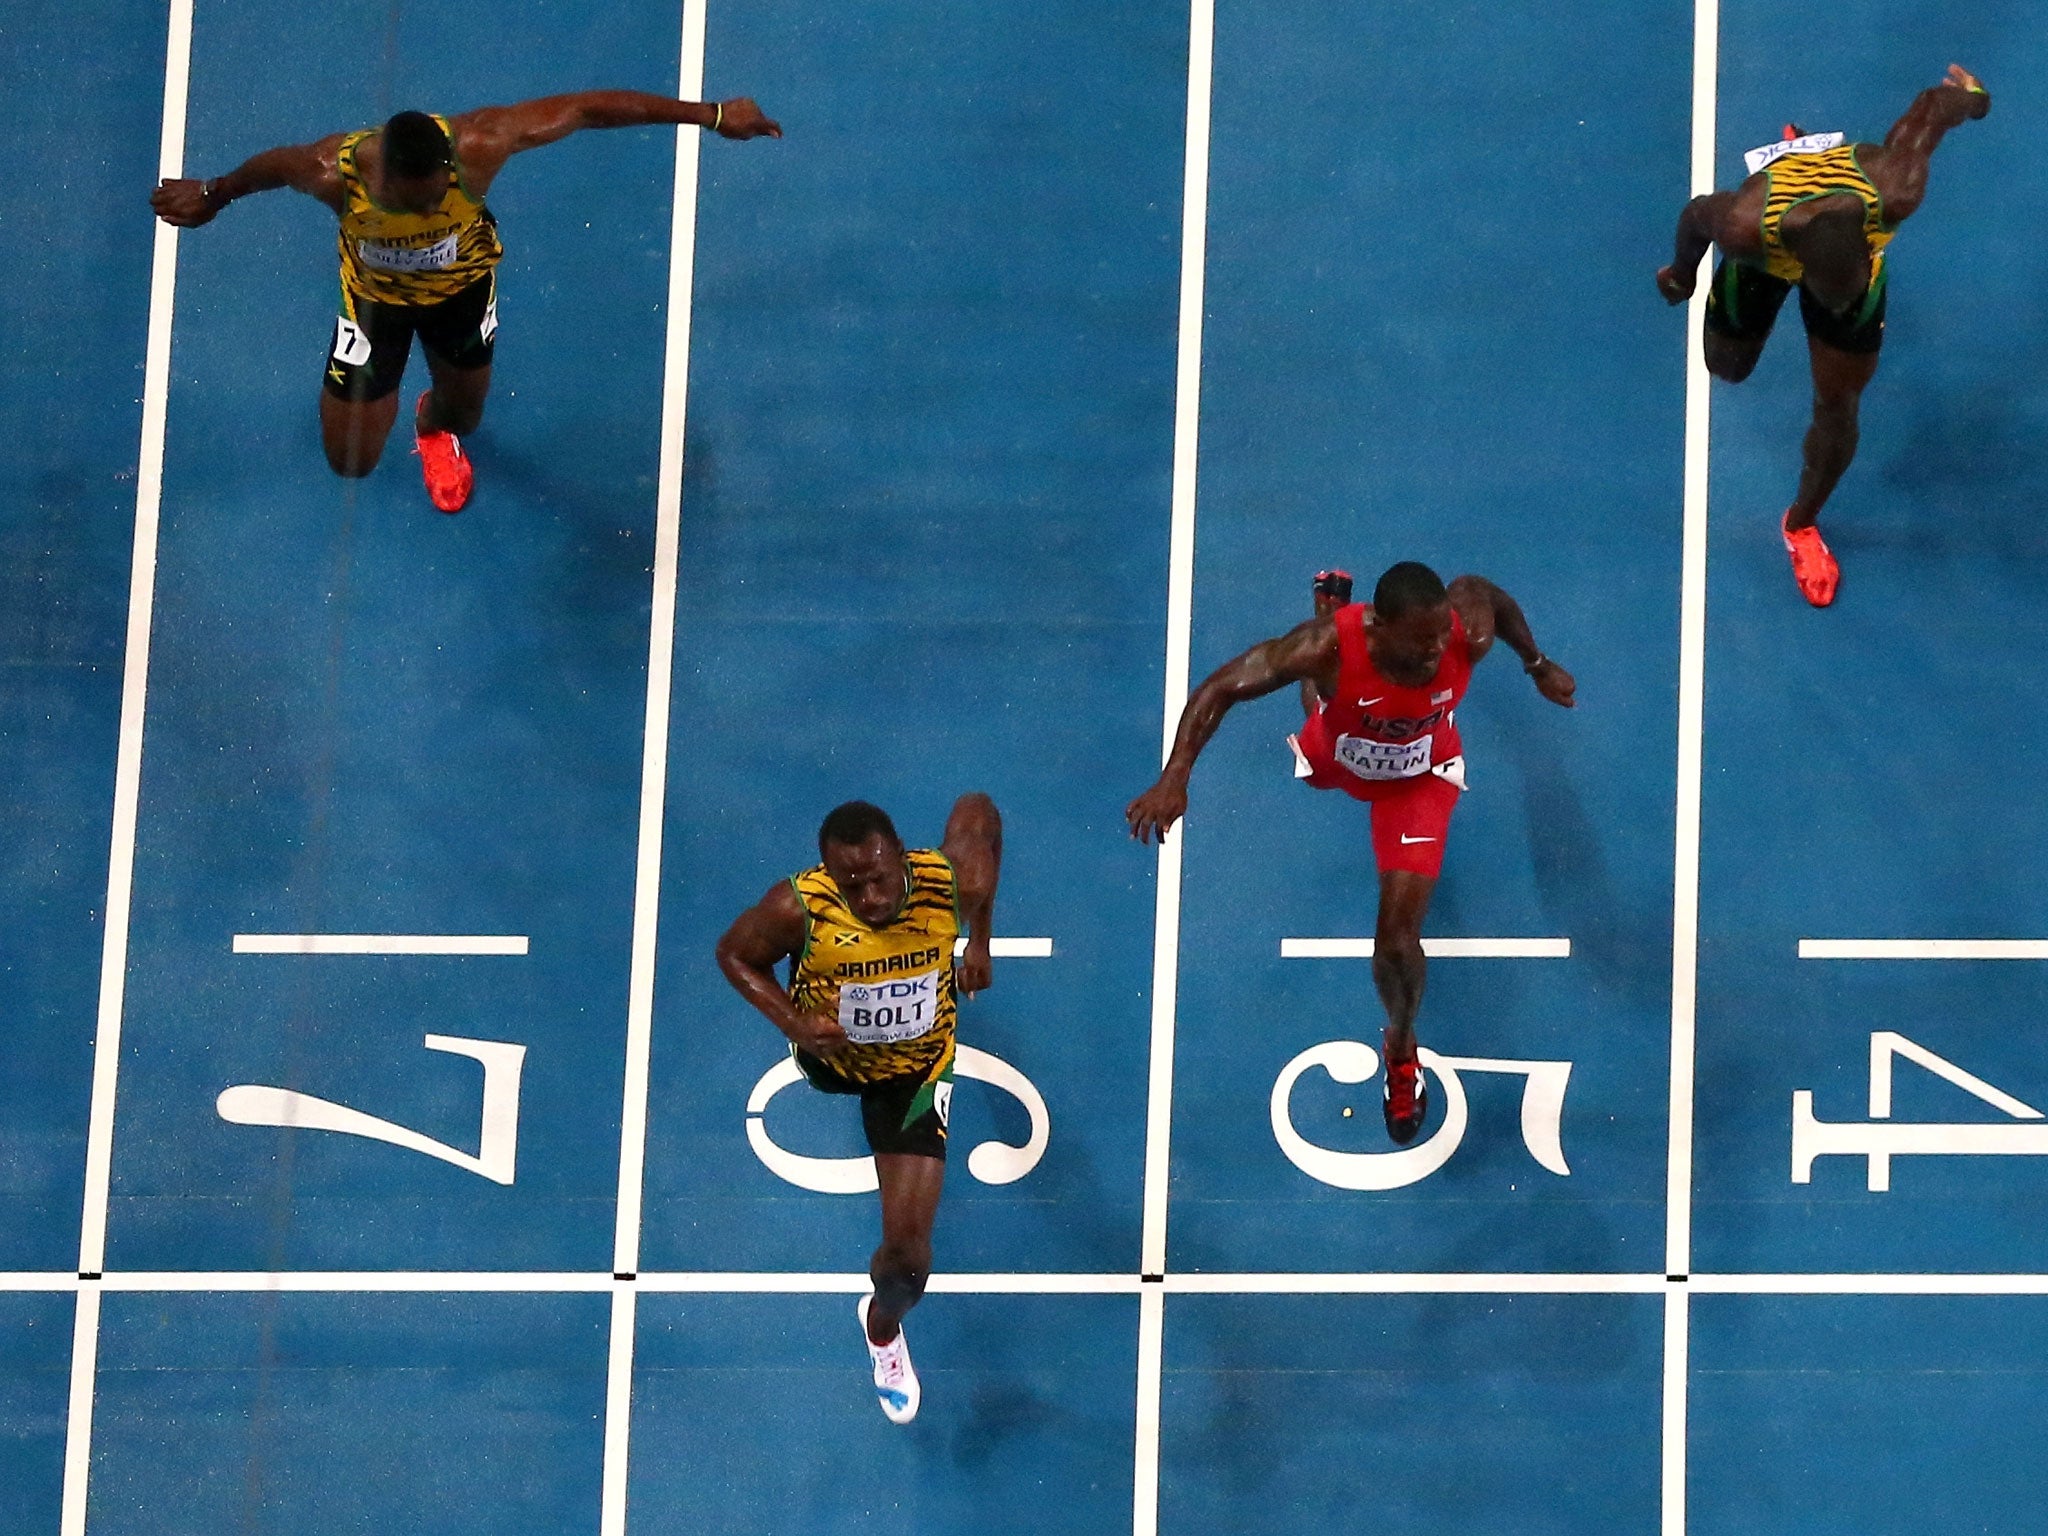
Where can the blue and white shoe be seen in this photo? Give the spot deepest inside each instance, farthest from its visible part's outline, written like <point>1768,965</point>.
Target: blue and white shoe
<point>895,1378</point>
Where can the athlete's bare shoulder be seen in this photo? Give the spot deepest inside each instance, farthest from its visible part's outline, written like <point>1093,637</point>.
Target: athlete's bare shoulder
<point>484,138</point>
<point>1472,599</point>
<point>772,929</point>
<point>315,169</point>
<point>481,131</point>
<point>1320,630</point>
<point>1312,642</point>
<point>1901,182</point>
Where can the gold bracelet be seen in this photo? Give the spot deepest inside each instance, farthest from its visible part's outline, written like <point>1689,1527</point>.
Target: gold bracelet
<point>718,117</point>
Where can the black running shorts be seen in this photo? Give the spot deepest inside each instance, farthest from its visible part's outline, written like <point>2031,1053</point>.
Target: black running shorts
<point>1743,305</point>
<point>366,359</point>
<point>904,1114</point>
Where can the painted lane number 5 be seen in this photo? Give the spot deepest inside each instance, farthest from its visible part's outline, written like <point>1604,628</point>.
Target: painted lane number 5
<point>1352,1061</point>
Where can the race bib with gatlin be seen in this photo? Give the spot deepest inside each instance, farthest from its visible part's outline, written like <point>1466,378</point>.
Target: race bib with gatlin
<point>889,1012</point>
<point>1370,759</point>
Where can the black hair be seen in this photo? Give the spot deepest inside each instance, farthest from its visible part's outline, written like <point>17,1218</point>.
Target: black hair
<point>853,823</point>
<point>415,146</point>
<point>1407,587</point>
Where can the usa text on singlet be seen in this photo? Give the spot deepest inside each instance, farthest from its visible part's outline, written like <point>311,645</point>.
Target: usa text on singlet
<point>889,985</point>
<point>391,257</point>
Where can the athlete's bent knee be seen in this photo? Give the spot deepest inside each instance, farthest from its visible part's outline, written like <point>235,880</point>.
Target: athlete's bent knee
<point>1839,411</point>
<point>1731,365</point>
<point>1396,954</point>
<point>899,1279</point>
<point>897,1294</point>
<point>903,1258</point>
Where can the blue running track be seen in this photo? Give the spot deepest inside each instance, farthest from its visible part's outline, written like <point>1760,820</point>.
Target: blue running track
<point>1677,1254</point>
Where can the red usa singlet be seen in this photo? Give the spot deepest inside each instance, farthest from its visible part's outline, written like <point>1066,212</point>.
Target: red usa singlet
<point>1373,732</point>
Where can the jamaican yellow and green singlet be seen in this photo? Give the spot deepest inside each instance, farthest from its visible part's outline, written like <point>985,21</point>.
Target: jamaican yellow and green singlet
<point>391,257</point>
<point>1795,179</point>
<point>889,985</point>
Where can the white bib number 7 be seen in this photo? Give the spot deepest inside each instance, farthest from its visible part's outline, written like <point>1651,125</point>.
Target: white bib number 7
<point>351,343</point>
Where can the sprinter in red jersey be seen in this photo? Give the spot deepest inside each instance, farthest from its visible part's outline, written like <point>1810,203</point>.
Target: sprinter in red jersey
<point>1389,676</point>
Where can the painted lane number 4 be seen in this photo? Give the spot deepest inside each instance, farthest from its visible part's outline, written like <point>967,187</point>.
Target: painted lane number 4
<point>1880,1138</point>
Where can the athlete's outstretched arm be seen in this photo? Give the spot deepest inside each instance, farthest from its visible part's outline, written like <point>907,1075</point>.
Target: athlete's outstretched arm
<point>1489,613</point>
<point>491,135</point>
<point>1907,148</point>
<point>974,844</point>
<point>308,168</point>
<point>1307,651</point>
<point>763,936</point>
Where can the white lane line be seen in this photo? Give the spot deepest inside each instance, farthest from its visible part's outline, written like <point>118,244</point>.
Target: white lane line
<point>1151,1383</point>
<point>38,1280</point>
<point>618,1410</point>
<point>661,645</point>
<point>454,1282</point>
<point>85,1353</point>
<point>1180,605</point>
<point>1057,1283</point>
<point>1012,949</point>
<point>380,944</point>
<point>1677,1373</point>
<point>1872,1285</point>
<point>854,1284</point>
<point>1685,871</point>
<point>1221,1284</point>
<point>149,491</point>
<point>1923,949</point>
<point>1436,949</point>
<point>1050,1284</point>
<point>1692,672</point>
<point>681,1282</point>
<point>1180,608</point>
<point>758,1283</point>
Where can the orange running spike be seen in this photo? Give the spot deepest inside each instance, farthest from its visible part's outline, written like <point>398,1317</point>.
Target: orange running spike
<point>443,465</point>
<point>1813,564</point>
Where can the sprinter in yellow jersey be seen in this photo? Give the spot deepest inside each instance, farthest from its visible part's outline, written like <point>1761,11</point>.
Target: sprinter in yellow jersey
<point>869,934</point>
<point>419,254</point>
<point>1818,213</point>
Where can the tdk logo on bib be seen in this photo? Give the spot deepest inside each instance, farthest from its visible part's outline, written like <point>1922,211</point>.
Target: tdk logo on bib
<point>885,1012</point>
